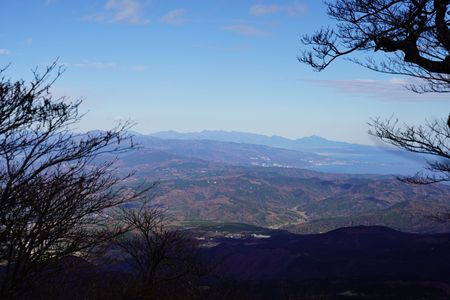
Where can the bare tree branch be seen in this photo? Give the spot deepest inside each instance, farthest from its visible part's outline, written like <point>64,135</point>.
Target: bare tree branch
<point>54,195</point>
<point>416,33</point>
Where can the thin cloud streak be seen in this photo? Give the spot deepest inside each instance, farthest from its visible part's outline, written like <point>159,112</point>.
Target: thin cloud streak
<point>49,2</point>
<point>4,51</point>
<point>28,41</point>
<point>120,11</point>
<point>247,30</point>
<point>139,68</point>
<point>92,65</point>
<point>175,17</point>
<point>294,9</point>
<point>237,48</point>
<point>394,89</point>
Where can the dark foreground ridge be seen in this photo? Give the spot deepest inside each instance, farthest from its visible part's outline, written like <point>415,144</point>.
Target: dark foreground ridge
<point>362,252</point>
<point>363,262</point>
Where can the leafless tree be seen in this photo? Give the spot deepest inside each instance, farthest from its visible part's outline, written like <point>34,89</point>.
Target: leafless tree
<point>431,139</point>
<point>55,186</point>
<point>414,35</point>
<point>166,261</point>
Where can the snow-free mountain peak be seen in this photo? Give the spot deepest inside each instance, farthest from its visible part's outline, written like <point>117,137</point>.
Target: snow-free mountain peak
<point>313,141</point>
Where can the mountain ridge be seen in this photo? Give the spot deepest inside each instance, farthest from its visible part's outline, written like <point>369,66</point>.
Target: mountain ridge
<point>312,141</point>
<point>311,152</point>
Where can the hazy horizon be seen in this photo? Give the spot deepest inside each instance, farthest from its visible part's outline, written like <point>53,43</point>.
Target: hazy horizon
<point>217,149</point>
<point>191,66</point>
<point>252,133</point>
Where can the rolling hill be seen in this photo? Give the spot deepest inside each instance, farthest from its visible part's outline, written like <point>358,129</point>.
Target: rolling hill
<point>314,152</point>
<point>299,200</point>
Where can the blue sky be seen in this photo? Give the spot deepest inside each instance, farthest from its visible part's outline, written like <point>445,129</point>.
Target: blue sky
<point>202,64</point>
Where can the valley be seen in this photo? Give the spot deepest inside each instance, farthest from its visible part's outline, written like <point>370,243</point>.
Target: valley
<point>206,180</point>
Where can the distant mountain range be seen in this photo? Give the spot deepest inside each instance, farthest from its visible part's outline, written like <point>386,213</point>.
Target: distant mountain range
<point>311,142</point>
<point>316,189</point>
<point>314,152</point>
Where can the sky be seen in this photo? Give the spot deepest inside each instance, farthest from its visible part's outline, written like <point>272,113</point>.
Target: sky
<point>192,65</point>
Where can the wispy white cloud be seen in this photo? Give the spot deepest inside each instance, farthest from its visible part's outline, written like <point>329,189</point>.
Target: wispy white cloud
<point>92,65</point>
<point>175,17</point>
<point>247,30</point>
<point>293,9</point>
<point>139,68</point>
<point>4,51</point>
<point>120,11</point>
<point>28,41</point>
<point>48,2</point>
<point>394,89</point>
<point>237,48</point>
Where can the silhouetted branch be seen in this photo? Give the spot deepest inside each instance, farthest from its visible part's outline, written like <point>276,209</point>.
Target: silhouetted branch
<point>432,139</point>
<point>54,194</point>
<point>415,32</point>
